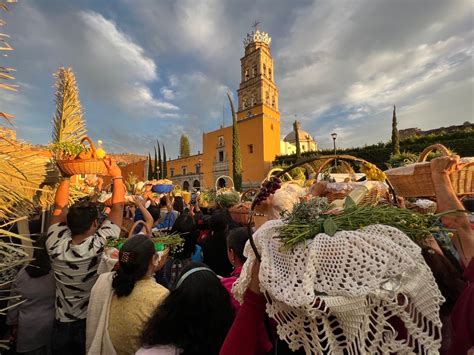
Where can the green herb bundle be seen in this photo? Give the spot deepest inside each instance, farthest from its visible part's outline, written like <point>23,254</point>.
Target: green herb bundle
<point>310,218</point>
<point>173,241</point>
<point>228,199</point>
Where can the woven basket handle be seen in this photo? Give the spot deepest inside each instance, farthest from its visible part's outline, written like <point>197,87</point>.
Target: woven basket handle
<point>435,147</point>
<point>324,165</point>
<point>137,223</point>
<point>224,177</point>
<point>276,170</point>
<point>91,145</point>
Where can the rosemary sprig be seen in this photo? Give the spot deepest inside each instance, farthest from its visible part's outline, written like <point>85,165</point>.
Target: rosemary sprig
<point>303,224</point>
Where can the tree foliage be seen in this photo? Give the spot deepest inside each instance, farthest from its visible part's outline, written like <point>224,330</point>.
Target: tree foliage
<point>297,139</point>
<point>155,167</point>
<point>236,155</point>
<point>395,135</point>
<point>150,168</point>
<point>160,162</point>
<point>165,163</point>
<point>461,142</point>
<point>184,147</point>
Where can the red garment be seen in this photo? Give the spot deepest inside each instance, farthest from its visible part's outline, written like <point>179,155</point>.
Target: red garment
<point>228,282</point>
<point>462,316</point>
<point>247,331</point>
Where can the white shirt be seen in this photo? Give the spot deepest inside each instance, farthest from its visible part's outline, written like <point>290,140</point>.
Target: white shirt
<point>75,267</point>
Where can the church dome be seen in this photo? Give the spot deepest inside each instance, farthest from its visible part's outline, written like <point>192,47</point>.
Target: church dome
<point>303,135</point>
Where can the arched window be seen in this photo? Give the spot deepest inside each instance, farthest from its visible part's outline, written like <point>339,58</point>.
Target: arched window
<point>254,73</point>
<point>247,74</point>
<point>264,70</point>
<point>267,97</point>
<point>244,102</point>
<point>185,186</point>
<point>270,73</point>
<point>273,101</point>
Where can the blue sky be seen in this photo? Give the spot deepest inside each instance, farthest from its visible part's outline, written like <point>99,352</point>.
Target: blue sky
<point>151,70</point>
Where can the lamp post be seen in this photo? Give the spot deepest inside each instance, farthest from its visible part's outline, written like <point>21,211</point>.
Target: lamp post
<point>334,136</point>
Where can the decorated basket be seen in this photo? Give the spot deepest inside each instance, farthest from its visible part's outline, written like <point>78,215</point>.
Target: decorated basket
<point>162,188</point>
<point>414,180</point>
<point>83,166</point>
<point>339,190</point>
<point>240,213</point>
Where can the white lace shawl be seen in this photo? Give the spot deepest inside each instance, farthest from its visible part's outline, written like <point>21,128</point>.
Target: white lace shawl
<point>349,284</point>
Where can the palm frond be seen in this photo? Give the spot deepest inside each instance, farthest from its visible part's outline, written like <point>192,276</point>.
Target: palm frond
<point>68,122</point>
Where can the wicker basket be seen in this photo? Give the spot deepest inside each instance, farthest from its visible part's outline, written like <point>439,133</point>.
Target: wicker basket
<point>240,213</point>
<point>83,166</point>
<point>414,180</point>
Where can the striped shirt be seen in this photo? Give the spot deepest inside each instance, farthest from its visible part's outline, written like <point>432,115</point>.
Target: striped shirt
<point>75,267</point>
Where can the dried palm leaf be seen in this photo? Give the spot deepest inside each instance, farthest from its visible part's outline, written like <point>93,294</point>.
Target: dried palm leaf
<point>68,122</point>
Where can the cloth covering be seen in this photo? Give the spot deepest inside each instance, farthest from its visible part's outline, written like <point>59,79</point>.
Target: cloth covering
<point>340,294</point>
<point>97,334</point>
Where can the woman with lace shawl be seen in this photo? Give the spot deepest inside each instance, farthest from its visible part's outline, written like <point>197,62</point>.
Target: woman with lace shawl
<point>326,299</point>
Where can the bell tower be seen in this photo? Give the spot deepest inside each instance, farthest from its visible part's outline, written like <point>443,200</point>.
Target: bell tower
<point>257,91</point>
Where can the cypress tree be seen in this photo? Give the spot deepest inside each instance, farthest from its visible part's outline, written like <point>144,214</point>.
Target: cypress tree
<point>395,135</point>
<point>184,149</point>
<point>155,170</point>
<point>150,168</point>
<point>160,163</point>
<point>236,156</point>
<point>165,164</point>
<point>297,138</point>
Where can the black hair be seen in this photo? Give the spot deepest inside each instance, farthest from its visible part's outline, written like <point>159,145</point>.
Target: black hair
<point>81,216</point>
<point>214,246</point>
<point>134,258</point>
<point>219,221</point>
<point>178,204</point>
<point>41,265</point>
<point>195,317</point>
<point>236,240</point>
<point>163,201</point>
<point>187,228</point>
<point>154,211</point>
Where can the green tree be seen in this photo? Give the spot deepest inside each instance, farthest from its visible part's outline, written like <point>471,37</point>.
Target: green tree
<point>160,162</point>
<point>296,126</point>
<point>165,163</point>
<point>395,134</point>
<point>184,148</point>
<point>155,170</point>
<point>236,156</point>
<point>150,168</point>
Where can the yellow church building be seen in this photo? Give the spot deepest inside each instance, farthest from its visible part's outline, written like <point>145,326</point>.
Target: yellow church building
<point>258,121</point>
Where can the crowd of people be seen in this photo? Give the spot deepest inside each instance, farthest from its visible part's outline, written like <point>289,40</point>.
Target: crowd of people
<point>184,306</point>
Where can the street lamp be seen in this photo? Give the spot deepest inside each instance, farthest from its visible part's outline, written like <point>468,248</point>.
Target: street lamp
<point>334,136</point>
